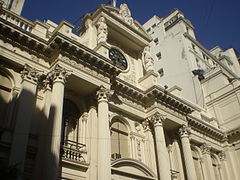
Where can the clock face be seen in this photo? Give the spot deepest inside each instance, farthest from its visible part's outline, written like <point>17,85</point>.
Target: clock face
<point>118,58</point>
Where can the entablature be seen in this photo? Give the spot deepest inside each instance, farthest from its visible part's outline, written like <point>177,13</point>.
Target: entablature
<point>206,128</point>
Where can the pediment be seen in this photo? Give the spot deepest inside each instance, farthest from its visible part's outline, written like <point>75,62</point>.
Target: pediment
<point>129,21</point>
<point>120,24</point>
<point>127,167</point>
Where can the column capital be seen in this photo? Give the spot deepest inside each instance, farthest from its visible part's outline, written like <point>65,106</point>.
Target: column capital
<point>184,131</point>
<point>103,94</point>
<point>222,156</point>
<point>205,148</point>
<point>30,73</point>
<point>59,74</point>
<point>85,117</point>
<point>157,119</point>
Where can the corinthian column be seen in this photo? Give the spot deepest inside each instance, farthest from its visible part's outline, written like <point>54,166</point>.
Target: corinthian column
<point>184,133</point>
<point>207,161</point>
<point>162,154</point>
<point>104,141</point>
<point>58,78</point>
<point>26,105</point>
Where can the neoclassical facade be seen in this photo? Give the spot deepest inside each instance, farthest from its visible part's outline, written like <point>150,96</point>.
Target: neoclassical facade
<point>93,105</point>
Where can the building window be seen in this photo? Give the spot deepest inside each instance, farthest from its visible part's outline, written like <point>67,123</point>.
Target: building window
<point>156,41</point>
<point>5,95</point>
<point>71,116</point>
<point>148,30</point>
<point>193,47</point>
<point>154,25</point>
<point>159,55</point>
<point>119,140</point>
<point>161,72</point>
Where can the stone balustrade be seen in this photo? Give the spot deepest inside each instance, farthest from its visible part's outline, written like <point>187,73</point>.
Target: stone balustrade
<point>16,20</point>
<point>73,151</point>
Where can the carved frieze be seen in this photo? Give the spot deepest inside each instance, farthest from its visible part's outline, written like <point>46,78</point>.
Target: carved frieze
<point>83,68</point>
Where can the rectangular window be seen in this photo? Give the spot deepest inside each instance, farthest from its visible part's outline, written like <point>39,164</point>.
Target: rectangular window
<point>194,47</point>
<point>159,55</point>
<point>161,72</point>
<point>156,41</point>
<point>154,25</point>
<point>148,30</point>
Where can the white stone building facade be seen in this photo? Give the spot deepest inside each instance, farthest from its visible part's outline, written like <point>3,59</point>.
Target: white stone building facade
<point>115,101</point>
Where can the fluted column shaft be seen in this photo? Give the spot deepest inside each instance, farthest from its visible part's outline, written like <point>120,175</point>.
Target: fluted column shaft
<point>184,133</point>
<point>162,153</point>
<point>207,160</point>
<point>58,77</point>
<point>26,105</point>
<point>104,141</point>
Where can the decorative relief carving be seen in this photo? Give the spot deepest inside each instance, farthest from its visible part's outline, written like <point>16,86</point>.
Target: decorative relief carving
<point>147,59</point>
<point>125,13</point>
<point>139,153</point>
<point>157,119</point>
<point>222,156</point>
<point>30,73</point>
<point>102,30</point>
<point>104,94</point>
<point>146,125</point>
<point>205,148</point>
<point>184,131</point>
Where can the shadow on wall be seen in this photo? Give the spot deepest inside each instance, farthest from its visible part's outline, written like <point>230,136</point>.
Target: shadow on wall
<point>38,153</point>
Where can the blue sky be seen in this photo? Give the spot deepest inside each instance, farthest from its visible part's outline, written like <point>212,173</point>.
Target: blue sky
<point>216,22</point>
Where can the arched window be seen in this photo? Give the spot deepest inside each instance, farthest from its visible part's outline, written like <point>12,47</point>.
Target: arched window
<point>216,168</point>
<point>70,121</point>
<point>197,164</point>
<point>119,140</point>
<point>5,95</point>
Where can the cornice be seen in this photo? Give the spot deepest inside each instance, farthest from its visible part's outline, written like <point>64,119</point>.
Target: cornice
<point>153,94</point>
<point>171,101</point>
<point>58,42</point>
<point>206,128</point>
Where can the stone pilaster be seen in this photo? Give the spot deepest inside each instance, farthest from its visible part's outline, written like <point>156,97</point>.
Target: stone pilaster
<point>104,141</point>
<point>162,154</point>
<point>26,105</point>
<point>58,78</point>
<point>207,162</point>
<point>224,167</point>
<point>184,133</point>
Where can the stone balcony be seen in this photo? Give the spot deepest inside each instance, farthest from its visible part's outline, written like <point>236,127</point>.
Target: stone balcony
<point>74,152</point>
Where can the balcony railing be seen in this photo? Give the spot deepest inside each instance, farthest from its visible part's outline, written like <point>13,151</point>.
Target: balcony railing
<point>16,20</point>
<point>73,151</point>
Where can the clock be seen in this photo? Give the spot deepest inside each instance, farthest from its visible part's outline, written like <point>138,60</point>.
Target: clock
<point>118,58</point>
